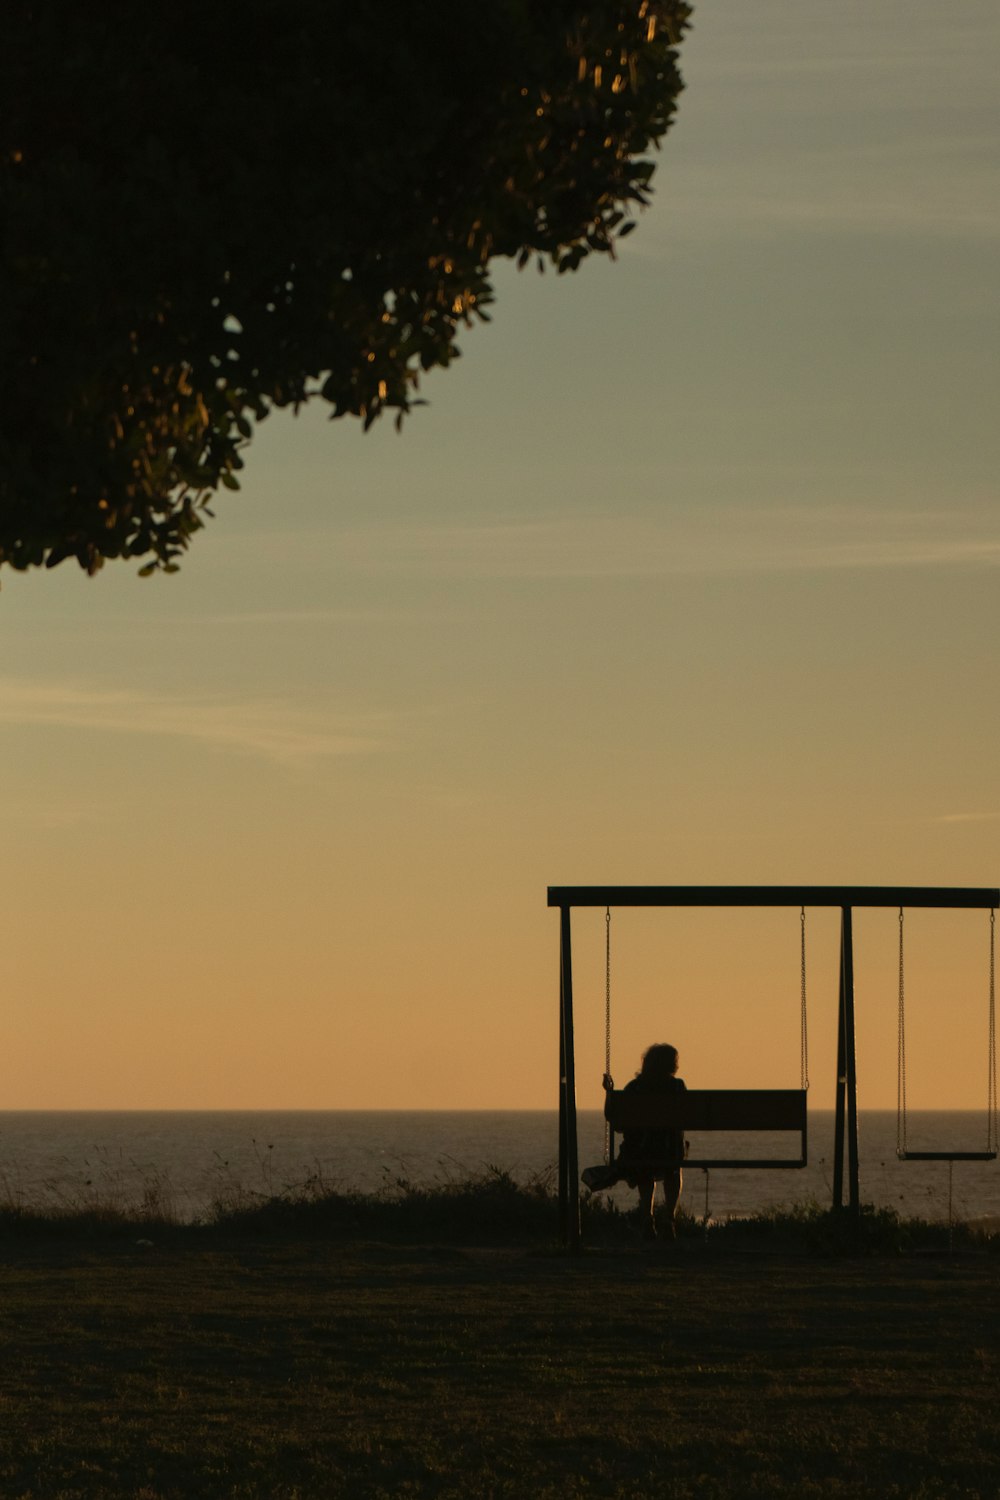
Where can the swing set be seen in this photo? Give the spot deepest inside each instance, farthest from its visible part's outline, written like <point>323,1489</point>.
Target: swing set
<point>736,1110</point>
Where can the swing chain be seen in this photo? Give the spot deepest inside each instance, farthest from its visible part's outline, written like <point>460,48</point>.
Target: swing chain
<point>607,992</point>
<point>804,1048</point>
<point>901,1052</point>
<point>607,1024</point>
<point>992,1127</point>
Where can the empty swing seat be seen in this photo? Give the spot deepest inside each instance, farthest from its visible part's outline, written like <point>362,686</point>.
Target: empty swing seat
<point>731,1110</point>
<point>946,1155</point>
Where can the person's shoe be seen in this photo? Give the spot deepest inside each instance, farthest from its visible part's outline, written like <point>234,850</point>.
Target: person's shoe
<point>599,1178</point>
<point>649,1230</point>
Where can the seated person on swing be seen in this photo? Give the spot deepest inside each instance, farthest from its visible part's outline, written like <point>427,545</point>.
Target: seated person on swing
<point>648,1156</point>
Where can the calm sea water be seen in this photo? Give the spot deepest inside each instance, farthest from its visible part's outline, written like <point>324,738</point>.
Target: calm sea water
<point>191,1159</point>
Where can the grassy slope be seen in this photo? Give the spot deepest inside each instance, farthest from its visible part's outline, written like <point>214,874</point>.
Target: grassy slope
<point>295,1368</point>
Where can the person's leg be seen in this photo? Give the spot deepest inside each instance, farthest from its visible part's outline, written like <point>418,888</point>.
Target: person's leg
<point>647,1195</point>
<point>672,1184</point>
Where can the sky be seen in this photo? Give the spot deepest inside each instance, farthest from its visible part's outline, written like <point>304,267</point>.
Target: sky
<point>688,574</point>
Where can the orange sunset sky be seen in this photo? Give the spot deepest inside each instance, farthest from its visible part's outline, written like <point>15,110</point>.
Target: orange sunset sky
<point>687,575</point>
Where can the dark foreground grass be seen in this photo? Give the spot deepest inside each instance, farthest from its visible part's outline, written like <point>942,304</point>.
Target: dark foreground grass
<point>291,1360</point>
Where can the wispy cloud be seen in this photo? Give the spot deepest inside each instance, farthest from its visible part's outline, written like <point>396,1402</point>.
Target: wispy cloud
<point>883,128</point>
<point>710,541</point>
<point>48,816</point>
<point>967,817</point>
<point>322,616</point>
<point>272,730</point>
<point>870,192</point>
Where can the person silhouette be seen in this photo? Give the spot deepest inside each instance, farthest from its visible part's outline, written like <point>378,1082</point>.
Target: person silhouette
<point>647,1156</point>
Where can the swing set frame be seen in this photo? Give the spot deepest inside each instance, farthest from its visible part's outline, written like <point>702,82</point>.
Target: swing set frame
<point>846,1096</point>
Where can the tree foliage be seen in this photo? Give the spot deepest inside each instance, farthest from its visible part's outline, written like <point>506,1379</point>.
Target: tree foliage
<point>207,211</point>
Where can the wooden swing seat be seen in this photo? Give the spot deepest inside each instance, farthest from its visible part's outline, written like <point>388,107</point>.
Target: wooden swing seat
<point>711,1110</point>
<point>947,1155</point>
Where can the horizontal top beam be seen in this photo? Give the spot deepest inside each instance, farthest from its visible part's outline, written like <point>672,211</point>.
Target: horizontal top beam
<point>773,895</point>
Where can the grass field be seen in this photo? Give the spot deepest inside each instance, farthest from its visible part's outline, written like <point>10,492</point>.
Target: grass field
<point>296,1362</point>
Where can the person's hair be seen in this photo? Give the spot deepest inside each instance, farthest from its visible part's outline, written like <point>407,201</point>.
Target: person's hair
<point>659,1061</point>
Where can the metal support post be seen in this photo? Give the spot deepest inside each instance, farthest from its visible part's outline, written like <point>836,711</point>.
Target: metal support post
<point>569,1172</point>
<point>846,1120</point>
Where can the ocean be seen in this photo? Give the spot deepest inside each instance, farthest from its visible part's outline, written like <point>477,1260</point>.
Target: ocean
<point>187,1160</point>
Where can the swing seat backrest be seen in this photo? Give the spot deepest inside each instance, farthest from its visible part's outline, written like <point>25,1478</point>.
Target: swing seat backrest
<point>731,1110</point>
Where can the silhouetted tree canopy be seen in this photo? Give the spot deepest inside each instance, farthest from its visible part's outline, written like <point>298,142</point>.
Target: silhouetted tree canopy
<point>209,210</point>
